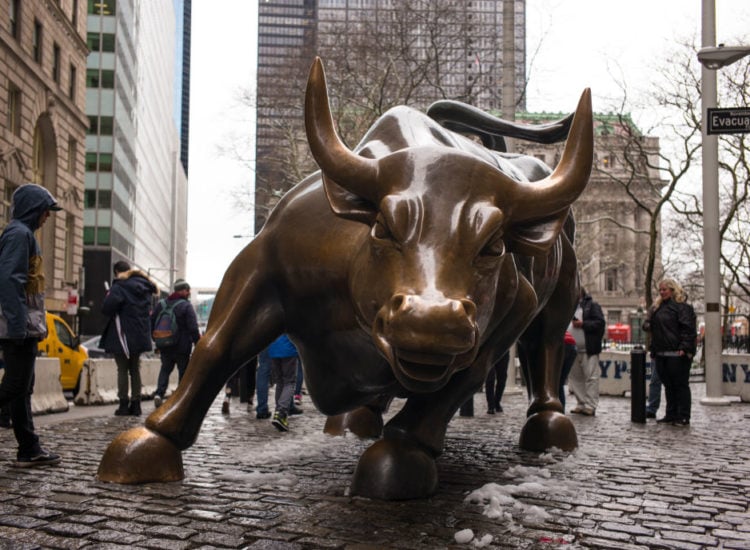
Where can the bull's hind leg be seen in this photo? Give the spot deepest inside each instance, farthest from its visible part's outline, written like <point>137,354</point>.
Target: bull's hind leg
<point>545,426</point>
<point>245,318</point>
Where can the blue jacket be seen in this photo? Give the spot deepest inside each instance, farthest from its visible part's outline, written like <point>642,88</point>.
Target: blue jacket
<point>130,299</point>
<point>282,347</point>
<point>188,332</point>
<point>22,313</point>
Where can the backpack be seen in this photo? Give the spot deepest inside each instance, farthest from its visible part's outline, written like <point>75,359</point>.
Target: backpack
<point>165,331</point>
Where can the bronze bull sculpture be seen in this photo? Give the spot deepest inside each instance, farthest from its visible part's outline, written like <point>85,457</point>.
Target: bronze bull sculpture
<point>400,270</point>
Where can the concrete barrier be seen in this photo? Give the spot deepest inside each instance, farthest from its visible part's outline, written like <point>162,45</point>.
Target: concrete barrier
<point>614,372</point>
<point>48,396</point>
<point>735,373</point>
<point>99,381</point>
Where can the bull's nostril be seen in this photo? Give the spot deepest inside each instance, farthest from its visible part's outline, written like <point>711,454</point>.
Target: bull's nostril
<point>469,307</point>
<point>397,301</point>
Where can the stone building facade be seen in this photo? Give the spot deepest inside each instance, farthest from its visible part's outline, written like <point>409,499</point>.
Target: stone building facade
<point>43,126</point>
<point>612,240</point>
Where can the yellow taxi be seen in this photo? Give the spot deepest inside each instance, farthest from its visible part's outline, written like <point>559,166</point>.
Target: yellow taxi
<point>62,343</point>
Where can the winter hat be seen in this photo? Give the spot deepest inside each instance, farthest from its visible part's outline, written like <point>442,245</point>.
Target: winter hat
<point>181,284</point>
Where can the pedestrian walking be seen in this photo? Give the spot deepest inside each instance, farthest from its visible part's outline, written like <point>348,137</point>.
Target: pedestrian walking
<point>284,359</point>
<point>569,357</point>
<point>174,327</point>
<point>23,321</point>
<point>672,324</point>
<point>588,330</point>
<point>127,333</point>
<point>494,385</point>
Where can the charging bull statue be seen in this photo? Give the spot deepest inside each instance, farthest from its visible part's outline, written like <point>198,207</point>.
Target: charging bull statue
<point>400,270</point>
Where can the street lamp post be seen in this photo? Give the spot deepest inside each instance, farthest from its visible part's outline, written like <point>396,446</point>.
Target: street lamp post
<point>712,59</point>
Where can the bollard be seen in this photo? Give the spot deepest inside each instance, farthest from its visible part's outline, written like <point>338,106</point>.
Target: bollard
<point>638,385</point>
<point>244,375</point>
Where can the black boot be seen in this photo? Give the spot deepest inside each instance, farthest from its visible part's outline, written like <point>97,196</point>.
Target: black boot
<point>122,410</point>
<point>135,408</point>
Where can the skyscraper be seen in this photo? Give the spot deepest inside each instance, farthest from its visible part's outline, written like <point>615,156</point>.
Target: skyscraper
<point>377,53</point>
<point>136,187</point>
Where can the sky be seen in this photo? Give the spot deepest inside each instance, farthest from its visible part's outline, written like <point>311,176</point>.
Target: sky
<point>571,45</point>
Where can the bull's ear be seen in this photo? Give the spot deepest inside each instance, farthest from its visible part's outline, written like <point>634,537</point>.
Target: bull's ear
<point>346,204</point>
<point>533,238</point>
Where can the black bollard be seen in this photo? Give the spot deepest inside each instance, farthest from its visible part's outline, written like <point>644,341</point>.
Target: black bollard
<point>467,409</point>
<point>638,385</point>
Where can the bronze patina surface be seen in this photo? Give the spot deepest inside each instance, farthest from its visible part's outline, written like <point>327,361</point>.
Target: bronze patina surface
<point>402,268</point>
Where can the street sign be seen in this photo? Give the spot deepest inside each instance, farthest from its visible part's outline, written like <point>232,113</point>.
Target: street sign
<point>729,121</point>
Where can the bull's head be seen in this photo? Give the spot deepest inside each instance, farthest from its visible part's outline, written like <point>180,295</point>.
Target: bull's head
<point>436,269</point>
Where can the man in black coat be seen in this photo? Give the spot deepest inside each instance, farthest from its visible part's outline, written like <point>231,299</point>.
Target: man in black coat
<point>128,331</point>
<point>187,335</point>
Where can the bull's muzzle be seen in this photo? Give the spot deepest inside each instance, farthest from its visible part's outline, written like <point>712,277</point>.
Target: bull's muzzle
<point>426,340</point>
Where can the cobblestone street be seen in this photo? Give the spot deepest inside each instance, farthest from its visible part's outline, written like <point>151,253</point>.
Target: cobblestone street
<point>247,486</point>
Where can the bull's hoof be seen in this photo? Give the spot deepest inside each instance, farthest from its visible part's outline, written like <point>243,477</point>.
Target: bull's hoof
<point>362,422</point>
<point>394,469</point>
<point>140,455</point>
<point>547,429</point>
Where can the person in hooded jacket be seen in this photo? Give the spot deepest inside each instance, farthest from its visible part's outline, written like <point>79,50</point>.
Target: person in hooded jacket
<point>587,327</point>
<point>127,333</point>
<point>188,334</point>
<point>672,324</point>
<point>22,315</point>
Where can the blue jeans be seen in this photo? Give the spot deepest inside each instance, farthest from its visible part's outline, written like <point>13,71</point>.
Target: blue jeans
<point>262,381</point>
<point>654,390</point>
<point>168,361</point>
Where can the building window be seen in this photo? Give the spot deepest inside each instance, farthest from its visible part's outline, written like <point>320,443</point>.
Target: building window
<point>56,63</point>
<point>74,14</point>
<point>103,236</point>
<point>100,79</point>
<point>72,82</point>
<point>14,19</point>
<point>105,199</point>
<point>101,125</point>
<point>102,7</point>
<point>14,110</point>
<point>37,41</point>
<point>88,235</point>
<point>101,162</point>
<point>610,280</point>
<point>72,154</point>
<point>104,42</point>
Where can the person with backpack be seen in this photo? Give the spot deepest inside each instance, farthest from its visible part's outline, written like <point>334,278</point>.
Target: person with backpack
<point>174,328</point>
<point>127,333</point>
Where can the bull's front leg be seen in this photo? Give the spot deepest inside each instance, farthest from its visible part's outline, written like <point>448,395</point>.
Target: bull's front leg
<point>244,319</point>
<point>402,465</point>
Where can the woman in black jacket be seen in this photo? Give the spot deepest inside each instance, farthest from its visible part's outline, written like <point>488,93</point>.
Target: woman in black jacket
<point>671,322</point>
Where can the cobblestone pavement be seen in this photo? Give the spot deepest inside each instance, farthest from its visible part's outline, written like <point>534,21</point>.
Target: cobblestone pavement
<point>247,486</point>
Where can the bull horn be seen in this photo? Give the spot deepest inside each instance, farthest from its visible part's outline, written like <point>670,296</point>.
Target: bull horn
<point>354,173</point>
<point>557,191</point>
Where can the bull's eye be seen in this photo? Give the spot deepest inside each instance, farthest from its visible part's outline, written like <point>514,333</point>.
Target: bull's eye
<point>494,248</point>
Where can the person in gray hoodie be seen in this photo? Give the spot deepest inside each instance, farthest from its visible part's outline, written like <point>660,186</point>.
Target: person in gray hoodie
<point>22,315</point>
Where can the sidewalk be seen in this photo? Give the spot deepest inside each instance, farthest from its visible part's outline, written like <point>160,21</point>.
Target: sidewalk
<point>247,486</point>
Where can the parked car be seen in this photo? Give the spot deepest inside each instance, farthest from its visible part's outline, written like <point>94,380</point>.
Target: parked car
<point>61,342</point>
